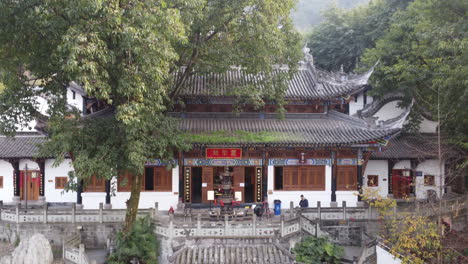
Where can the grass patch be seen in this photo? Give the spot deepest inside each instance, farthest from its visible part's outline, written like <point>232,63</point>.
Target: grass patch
<point>234,137</point>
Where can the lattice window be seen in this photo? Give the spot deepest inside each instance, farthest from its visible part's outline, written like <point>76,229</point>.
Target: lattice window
<point>95,184</point>
<point>372,180</point>
<point>61,182</point>
<point>429,180</point>
<point>346,178</point>
<point>302,178</point>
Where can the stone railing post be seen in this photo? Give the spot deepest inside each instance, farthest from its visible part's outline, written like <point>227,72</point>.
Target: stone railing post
<point>156,210</point>
<point>198,225</point>
<point>1,207</point>
<point>254,224</point>
<point>282,226</point>
<point>319,210</point>
<point>417,206</point>
<point>100,213</point>
<point>73,208</point>
<point>17,213</point>
<point>81,253</point>
<point>344,210</point>
<point>226,225</point>
<point>369,212</point>
<point>171,226</point>
<point>291,209</point>
<point>45,213</point>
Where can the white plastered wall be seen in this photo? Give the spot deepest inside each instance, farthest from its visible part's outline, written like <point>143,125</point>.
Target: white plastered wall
<point>428,126</point>
<point>428,167</point>
<point>389,110</point>
<point>384,257</point>
<point>380,168</point>
<point>312,196</point>
<point>6,193</point>
<point>53,195</point>
<point>147,199</point>
<point>359,104</point>
<point>77,102</point>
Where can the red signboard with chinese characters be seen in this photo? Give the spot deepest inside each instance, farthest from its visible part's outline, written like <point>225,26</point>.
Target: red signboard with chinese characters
<point>223,153</point>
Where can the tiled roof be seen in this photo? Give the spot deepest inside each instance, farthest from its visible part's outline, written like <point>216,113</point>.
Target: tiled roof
<point>328,129</point>
<point>21,146</point>
<point>239,253</point>
<point>307,83</point>
<point>409,146</point>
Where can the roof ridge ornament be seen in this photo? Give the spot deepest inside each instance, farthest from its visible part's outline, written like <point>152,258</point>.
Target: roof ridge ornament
<point>308,57</point>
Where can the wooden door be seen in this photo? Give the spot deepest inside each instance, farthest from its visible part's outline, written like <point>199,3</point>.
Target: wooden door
<point>32,179</point>
<point>401,184</point>
<point>207,183</point>
<point>238,181</point>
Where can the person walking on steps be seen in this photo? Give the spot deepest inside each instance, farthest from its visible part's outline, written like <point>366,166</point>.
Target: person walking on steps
<point>303,203</point>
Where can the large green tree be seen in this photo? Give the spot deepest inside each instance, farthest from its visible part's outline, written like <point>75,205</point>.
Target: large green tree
<point>344,35</point>
<point>125,53</point>
<point>424,55</point>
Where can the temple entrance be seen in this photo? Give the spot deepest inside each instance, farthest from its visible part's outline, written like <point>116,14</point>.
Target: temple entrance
<point>30,180</point>
<point>249,184</point>
<point>196,183</point>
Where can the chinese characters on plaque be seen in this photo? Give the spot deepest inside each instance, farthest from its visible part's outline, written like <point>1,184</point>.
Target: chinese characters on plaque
<point>223,153</point>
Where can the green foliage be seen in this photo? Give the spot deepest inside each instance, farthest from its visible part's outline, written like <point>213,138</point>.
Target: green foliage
<point>415,239</point>
<point>234,137</point>
<point>345,34</point>
<point>140,244</point>
<point>308,13</point>
<point>312,250</point>
<point>125,53</point>
<point>424,55</point>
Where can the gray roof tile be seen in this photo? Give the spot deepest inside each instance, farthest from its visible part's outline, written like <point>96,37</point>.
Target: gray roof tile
<point>410,146</point>
<point>295,129</point>
<point>305,84</point>
<point>21,146</point>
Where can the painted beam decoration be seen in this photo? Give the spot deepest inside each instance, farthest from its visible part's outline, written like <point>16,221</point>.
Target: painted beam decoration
<point>223,162</point>
<point>297,162</point>
<point>223,153</point>
<point>158,162</point>
<point>348,162</point>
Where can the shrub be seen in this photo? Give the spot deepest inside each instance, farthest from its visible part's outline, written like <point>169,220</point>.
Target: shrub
<point>312,250</point>
<point>140,244</point>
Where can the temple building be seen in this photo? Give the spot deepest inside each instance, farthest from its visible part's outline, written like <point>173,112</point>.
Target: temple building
<point>332,140</point>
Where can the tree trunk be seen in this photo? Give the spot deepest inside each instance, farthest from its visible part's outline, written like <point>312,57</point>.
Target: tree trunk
<point>132,203</point>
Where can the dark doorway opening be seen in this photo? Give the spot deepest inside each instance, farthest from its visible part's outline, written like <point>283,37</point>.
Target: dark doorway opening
<point>196,185</point>
<point>149,179</point>
<point>249,184</point>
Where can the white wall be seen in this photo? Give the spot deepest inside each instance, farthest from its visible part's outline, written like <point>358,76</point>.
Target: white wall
<point>380,168</point>
<point>313,196</point>
<point>428,167</point>
<point>384,257</point>
<point>51,194</point>
<point>147,199</point>
<point>6,193</point>
<point>359,105</point>
<point>428,126</point>
<point>77,102</point>
<point>389,110</point>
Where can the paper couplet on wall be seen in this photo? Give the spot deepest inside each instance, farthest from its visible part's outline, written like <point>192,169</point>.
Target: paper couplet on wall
<point>211,195</point>
<point>238,196</point>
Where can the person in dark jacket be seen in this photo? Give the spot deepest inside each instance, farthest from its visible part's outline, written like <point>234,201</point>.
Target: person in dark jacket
<point>303,203</point>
